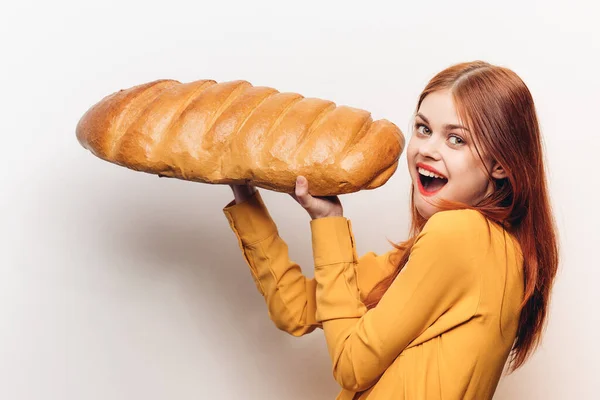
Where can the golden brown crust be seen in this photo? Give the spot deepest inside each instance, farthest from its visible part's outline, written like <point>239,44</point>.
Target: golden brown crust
<point>233,132</point>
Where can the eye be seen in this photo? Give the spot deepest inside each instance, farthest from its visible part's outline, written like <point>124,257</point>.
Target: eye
<point>424,131</point>
<point>456,140</point>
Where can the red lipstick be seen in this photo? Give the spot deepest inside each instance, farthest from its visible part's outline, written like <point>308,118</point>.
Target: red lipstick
<point>422,189</point>
<point>429,168</point>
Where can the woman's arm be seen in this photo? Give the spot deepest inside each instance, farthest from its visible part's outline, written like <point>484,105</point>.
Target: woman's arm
<point>290,296</point>
<point>441,274</point>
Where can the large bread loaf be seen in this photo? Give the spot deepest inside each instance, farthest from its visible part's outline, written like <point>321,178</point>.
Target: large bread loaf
<point>233,132</point>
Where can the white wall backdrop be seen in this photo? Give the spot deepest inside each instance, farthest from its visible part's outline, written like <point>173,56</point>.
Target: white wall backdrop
<point>116,284</point>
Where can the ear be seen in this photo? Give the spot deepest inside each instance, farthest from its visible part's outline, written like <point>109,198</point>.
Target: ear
<point>497,171</point>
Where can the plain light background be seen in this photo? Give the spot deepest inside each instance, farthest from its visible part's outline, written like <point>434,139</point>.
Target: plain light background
<point>116,284</point>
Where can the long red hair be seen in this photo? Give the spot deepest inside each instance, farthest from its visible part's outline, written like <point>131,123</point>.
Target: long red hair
<point>498,108</point>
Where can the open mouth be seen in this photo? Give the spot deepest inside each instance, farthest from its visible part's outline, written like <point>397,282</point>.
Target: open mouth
<point>429,183</point>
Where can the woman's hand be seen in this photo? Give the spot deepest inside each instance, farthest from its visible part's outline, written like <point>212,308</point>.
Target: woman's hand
<point>317,207</point>
<point>242,192</point>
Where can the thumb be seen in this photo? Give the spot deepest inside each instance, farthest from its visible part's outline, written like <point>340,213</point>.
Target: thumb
<point>302,195</point>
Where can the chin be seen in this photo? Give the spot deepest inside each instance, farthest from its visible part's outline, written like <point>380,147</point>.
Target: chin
<point>425,209</point>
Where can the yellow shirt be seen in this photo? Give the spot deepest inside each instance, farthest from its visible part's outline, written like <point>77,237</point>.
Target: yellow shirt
<point>444,328</point>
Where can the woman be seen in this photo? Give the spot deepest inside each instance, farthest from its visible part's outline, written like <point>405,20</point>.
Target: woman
<point>437,316</point>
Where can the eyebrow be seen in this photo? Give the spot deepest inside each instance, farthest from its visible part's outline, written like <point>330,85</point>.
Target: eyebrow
<point>446,127</point>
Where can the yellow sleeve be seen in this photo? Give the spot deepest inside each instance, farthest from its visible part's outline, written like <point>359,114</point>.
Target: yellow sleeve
<point>290,296</point>
<point>441,274</point>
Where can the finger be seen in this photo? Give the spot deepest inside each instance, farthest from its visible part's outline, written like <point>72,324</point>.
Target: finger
<point>294,197</point>
<point>301,192</point>
<point>293,194</point>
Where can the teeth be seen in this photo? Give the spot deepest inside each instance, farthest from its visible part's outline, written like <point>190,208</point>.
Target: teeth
<point>423,171</point>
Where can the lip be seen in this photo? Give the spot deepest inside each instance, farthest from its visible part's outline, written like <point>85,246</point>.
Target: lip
<point>430,169</point>
<point>421,188</point>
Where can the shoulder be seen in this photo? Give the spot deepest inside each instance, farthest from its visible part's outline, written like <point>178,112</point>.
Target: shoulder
<point>450,246</point>
<point>453,223</point>
<point>454,234</point>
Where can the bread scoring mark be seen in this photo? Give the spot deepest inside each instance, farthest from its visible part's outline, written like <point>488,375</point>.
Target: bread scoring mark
<point>315,124</point>
<point>282,115</point>
<point>243,85</point>
<point>141,98</point>
<point>239,129</point>
<point>235,135</point>
<point>216,155</point>
<point>176,115</point>
<point>356,137</point>
<point>263,159</point>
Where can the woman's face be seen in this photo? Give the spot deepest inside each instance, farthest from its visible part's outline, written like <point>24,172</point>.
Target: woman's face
<point>442,159</point>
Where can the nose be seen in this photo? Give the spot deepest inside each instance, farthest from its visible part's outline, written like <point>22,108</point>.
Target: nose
<point>430,148</point>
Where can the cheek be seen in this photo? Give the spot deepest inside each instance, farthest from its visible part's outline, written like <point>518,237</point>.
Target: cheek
<point>468,183</point>
<point>462,166</point>
<point>411,150</point>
